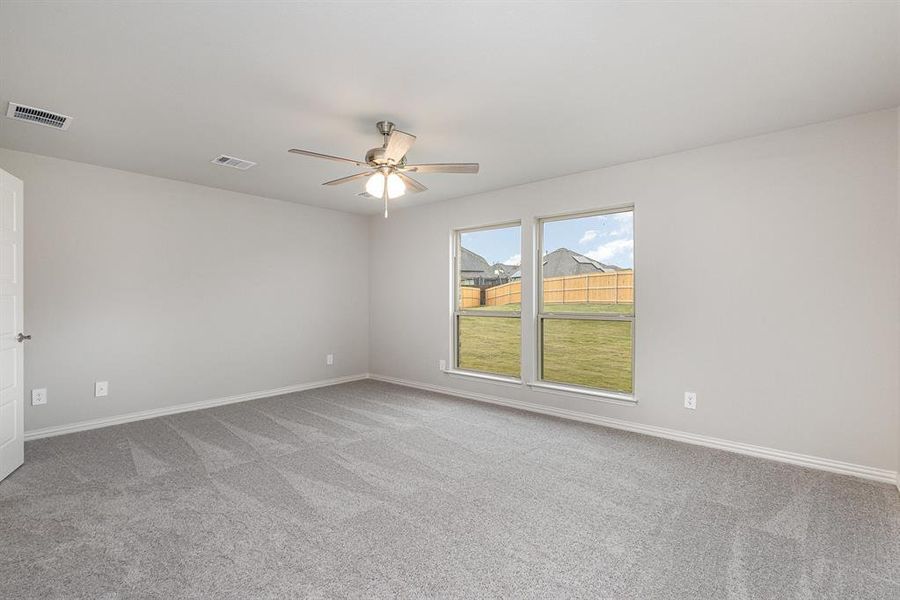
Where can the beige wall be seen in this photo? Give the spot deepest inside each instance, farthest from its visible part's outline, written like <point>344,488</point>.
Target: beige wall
<point>178,293</point>
<point>787,365</point>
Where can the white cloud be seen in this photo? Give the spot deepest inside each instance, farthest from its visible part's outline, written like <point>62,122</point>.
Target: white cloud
<point>515,259</point>
<point>588,236</point>
<point>592,234</point>
<point>622,250</point>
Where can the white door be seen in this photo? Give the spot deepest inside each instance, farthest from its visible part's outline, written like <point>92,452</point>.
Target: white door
<point>12,388</point>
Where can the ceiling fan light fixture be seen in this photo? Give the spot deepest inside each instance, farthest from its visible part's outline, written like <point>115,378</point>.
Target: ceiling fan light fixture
<point>387,174</point>
<point>395,185</point>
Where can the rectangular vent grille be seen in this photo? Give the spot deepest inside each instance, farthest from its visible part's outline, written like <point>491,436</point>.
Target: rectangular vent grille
<point>235,163</point>
<point>38,115</point>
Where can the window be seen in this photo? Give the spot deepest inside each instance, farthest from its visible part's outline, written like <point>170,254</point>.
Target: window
<point>585,327</point>
<point>487,319</point>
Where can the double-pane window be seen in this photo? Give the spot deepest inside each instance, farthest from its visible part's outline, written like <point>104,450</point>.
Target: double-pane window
<point>586,301</point>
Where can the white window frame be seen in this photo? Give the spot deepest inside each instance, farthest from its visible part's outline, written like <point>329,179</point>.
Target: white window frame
<point>456,312</point>
<point>541,315</point>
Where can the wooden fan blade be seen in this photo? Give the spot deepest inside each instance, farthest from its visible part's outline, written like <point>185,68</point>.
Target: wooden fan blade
<point>411,184</point>
<point>443,168</point>
<point>328,157</point>
<point>349,178</point>
<point>398,144</point>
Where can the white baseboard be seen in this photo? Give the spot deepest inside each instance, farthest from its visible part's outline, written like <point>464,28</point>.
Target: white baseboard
<point>803,460</point>
<point>35,434</point>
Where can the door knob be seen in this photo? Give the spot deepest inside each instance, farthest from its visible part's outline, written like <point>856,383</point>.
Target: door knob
<point>22,337</point>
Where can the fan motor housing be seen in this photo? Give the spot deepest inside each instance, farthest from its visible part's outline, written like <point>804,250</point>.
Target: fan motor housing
<point>375,156</point>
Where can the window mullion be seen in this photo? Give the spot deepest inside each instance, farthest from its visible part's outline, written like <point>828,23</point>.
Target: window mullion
<point>587,316</point>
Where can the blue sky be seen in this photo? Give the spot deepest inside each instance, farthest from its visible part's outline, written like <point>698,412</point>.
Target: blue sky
<point>495,245</point>
<point>606,238</point>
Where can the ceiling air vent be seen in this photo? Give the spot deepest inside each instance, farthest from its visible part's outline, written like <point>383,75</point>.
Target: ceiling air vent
<point>38,115</point>
<point>235,163</point>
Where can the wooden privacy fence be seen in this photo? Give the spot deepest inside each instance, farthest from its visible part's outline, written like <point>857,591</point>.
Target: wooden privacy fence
<point>508,293</point>
<point>616,287</point>
<point>469,297</point>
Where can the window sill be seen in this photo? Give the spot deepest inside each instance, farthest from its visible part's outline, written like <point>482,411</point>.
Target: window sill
<point>484,376</point>
<point>571,390</point>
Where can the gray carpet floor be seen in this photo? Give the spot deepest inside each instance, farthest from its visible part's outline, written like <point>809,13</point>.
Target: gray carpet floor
<point>369,490</point>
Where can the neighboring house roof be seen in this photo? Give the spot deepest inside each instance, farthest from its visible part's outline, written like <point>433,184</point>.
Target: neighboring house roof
<point>563,262</point>
<point>559,263</point>
<point>469,262</point>
<point>472,265</point>
<point>505,270</point>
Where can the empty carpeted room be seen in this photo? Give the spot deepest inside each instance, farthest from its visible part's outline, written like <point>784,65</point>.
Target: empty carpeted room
<point>500,299</point>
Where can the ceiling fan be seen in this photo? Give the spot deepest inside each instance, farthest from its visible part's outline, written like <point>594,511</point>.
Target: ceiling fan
<point>387,175</point>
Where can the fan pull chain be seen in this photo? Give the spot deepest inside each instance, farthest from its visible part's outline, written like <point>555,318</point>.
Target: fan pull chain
<point>385,203</point>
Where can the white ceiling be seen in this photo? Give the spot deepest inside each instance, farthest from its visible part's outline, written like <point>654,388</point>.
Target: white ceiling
<point>530,90</point>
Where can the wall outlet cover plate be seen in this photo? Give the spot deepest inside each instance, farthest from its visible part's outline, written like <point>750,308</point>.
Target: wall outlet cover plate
<point>39,396</point>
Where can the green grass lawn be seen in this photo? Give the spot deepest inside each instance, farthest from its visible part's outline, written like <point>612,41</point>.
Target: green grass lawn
<point>595,354</point>
<point>490,344</point>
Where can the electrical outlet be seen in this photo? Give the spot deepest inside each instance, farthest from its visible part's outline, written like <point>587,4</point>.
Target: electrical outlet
<point>39,396</point>
<point>690,400</point>
<point>101,388</point>
<point>442,365</point>
<point>329,359</point>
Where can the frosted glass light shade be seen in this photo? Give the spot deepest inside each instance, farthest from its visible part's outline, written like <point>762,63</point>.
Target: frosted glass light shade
<point>375,185</point>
